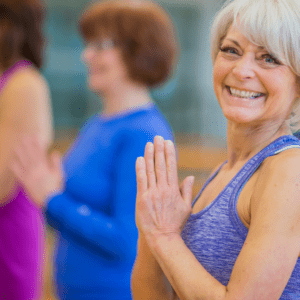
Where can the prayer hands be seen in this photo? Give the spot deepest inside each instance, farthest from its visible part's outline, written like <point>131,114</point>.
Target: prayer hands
<point>162,208</point>
<point>40,173</point>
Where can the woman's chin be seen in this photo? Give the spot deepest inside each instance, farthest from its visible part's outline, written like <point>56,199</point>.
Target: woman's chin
<point>96,87</point>
<point>241,116</point>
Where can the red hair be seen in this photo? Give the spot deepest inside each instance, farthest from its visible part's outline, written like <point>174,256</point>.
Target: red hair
<point>143,31</point>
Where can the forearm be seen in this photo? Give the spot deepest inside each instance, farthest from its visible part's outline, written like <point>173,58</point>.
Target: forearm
<point>148,280</point>
<point>188,278</point>
<point>90,226</point>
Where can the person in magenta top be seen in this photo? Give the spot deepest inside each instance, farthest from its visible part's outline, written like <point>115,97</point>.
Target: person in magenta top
<point>25,110</point>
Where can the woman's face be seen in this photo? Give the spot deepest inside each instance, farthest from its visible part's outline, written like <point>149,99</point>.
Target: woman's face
<point>106,68</point>
<point>252,87</point>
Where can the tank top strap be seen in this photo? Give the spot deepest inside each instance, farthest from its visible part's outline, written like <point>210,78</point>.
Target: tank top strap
<point>236,185</point>
<point>10,71</point>
<point>211,177</point>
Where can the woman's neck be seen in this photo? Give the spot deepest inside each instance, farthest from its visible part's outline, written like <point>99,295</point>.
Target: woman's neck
<point>243,142</point>
<point>125,97</point>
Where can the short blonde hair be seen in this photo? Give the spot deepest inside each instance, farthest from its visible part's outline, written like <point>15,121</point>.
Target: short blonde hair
<point>273,24</point>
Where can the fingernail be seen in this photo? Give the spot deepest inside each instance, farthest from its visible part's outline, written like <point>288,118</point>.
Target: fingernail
<point>139,160</point>
<point>192,180</point>
<point>149,145</point>
<point>169,142</point>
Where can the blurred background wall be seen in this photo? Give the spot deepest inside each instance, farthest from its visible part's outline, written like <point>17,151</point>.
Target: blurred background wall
<point>187,100</point>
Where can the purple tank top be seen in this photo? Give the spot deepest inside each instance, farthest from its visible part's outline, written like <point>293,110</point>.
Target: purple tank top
<point>216,234</point>
<point>22,237</point>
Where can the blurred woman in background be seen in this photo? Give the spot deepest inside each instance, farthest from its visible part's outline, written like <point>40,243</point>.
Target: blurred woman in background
<point>130,47</point>
<point>24,110</point>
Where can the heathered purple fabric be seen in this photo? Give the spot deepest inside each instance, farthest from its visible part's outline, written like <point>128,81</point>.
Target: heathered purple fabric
<point>216,234</point>
<point>21,238</point>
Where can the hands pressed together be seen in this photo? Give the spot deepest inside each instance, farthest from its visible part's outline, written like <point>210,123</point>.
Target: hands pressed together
<point>40,173</point>
<point>162,207</point>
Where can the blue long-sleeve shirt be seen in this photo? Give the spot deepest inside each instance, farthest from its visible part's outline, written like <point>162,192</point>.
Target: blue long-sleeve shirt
<point>95,215</point>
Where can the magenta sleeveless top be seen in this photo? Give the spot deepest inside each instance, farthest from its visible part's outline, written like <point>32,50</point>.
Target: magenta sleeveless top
<point>22,237</point>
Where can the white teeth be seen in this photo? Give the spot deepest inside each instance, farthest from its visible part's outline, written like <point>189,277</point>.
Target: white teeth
<point>243,94</point>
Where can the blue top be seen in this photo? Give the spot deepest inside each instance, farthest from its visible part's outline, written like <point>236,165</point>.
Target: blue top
<point>95,215</point>
<point>216,234</point>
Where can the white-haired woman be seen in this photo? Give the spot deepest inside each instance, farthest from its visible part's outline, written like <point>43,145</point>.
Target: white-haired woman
<point>240,237</point>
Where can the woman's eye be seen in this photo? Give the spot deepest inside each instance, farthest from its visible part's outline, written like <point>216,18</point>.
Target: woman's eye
<point>228,50</point>
<point>269,59</point>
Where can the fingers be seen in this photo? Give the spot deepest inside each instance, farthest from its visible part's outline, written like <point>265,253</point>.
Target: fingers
<point>17,168</point>
<point>56,161</point>
<point>186,189</point>
<point>149,160</point>
<point>160,161</point>
<point>20,159</point>
<point>171,163</point>
<point>29,152</point>
<point>27,155</point>
<point>141,176</point>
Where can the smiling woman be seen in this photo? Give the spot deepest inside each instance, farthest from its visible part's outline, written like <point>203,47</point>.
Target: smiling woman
<point>243,70</point>
<point>272,28</point>
<point>239,238</point>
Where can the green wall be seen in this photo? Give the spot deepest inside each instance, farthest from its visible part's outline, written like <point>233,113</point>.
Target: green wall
<point>187,99</point>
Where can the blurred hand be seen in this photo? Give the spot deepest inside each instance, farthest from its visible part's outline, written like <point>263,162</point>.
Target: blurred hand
<point>162,208</point>
<point>40,173</point>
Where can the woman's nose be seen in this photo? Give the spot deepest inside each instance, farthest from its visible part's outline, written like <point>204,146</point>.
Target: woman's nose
<point>244,68</point>
<point>87,54</point>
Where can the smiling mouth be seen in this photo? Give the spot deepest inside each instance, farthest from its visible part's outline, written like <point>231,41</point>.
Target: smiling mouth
<point>243,94</point>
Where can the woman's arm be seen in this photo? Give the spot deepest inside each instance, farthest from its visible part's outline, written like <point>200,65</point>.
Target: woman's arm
<point>148,280</point>
<point>25,110</point>
<point>114,232</point>
<point>271,249</point>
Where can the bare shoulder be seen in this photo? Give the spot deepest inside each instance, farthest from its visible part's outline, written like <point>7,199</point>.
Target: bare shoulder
<point>277,188</point>
<point>26,105</point>
<point>284,164</point>
<point>24,82</point>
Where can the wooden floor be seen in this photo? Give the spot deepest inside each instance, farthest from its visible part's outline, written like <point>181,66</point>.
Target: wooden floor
<point>195,157</point>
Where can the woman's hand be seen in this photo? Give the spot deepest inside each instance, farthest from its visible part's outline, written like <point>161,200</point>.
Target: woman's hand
<point>40,173</point>
<point>162,208</point>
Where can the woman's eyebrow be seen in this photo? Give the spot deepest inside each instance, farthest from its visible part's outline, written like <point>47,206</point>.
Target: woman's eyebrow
<point>237,44</point>
<point>233,41</point>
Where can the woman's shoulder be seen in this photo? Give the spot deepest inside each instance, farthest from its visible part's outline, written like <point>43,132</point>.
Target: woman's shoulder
<point>275,201</point>
<point>285,162</point>
<point>25,86</point>
<point>25,79</point>
<point>152,122</point>
<point>26,103</point>
<point>279,179</point>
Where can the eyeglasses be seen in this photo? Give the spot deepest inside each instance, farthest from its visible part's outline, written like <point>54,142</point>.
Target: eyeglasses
<point>104,44</point>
